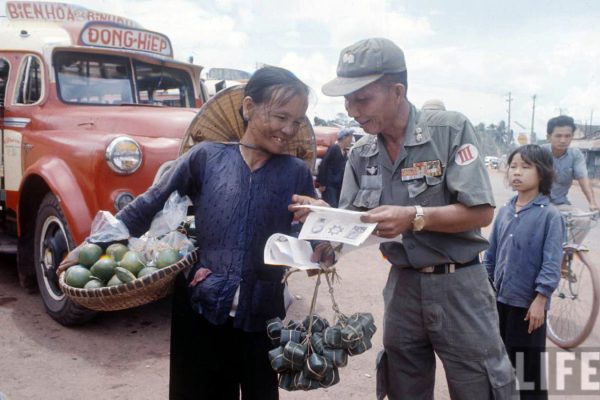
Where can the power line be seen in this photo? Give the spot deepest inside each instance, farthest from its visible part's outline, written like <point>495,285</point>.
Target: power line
<point>532,137</point>
<point>509,100</point>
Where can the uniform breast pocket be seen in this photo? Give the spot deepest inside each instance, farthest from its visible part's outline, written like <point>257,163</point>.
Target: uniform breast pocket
<point>427,192</point>
<point>369,194</point>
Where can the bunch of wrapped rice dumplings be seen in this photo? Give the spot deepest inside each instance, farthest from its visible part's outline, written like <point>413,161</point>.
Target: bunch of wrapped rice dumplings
<point>308,355</point>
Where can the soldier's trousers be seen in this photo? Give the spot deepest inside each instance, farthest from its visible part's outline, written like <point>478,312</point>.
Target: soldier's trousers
<point>452,315</point>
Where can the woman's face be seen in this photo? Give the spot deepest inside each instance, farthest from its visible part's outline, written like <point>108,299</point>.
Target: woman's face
<point>272,124</point>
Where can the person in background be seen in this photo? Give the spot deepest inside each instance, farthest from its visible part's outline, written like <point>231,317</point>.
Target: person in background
<point>569,164</point>
<point>240,192</point>
<point>331,169</point>
<point>433,105</point>
<point>523,262</point>
<point>419,175</point>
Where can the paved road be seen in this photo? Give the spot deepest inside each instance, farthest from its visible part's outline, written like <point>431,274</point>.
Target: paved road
<point>124,355</point>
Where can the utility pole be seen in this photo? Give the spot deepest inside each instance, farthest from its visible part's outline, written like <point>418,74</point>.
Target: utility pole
<point>509,100</point>
<point>591,123</point>
<point>532,138</point>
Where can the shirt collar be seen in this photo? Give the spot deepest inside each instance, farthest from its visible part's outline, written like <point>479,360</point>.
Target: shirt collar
<point>417,131</point>
<point>540,200</point>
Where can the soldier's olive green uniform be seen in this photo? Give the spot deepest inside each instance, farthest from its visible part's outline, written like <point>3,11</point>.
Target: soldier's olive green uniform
<point>454,313</point>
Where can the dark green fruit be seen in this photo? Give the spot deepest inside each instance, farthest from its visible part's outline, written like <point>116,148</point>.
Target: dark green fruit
<point>104,268</point>
<point>167,257</point>
<point>114,281</point>
<point>94,283</point>
<point>116,251</point>
<point>146,271</point>
<point>89,254</point>
<point>132,261</point>
<point>124,275</point>
<point>77,276</point>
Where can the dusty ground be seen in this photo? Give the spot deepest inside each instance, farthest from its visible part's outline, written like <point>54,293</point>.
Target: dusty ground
<point>125,355</point>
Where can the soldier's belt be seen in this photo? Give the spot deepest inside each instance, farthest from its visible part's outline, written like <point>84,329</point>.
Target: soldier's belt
<point>447,268</point>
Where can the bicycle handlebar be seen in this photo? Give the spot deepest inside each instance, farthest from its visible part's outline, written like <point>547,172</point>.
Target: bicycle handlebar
<point>589,214</point>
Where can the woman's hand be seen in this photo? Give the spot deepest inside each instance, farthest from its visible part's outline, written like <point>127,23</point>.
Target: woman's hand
<point>71,259</point>
<point>535,314</point>
<point>200,275</point>
<point>300,214</point>
<point>324,254</point>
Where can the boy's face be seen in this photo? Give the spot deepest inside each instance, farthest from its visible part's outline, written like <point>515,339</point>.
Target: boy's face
<point>522,176</point>
<point>560,138</point>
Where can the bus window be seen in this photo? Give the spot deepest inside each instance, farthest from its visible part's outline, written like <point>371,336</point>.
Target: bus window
<point>3,79</point>
<point>30,81</point>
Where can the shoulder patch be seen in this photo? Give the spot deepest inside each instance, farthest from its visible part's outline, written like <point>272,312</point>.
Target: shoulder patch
<point>466,154</point>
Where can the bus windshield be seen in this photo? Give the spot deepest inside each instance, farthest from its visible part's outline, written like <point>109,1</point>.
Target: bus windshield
<point>98,79</point>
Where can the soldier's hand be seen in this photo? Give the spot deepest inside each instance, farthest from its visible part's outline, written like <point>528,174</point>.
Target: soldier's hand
<point>391,220</point>
<point>300,214</point>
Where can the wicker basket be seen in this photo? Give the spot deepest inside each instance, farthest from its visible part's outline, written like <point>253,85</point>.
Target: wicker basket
<point>135,293</point>
<point>219,120</point>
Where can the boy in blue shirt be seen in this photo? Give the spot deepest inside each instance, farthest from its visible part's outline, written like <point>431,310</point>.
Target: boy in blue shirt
<point>523,262</point>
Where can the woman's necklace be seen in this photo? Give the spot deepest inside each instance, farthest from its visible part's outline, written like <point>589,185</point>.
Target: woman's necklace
<point>243,156</point>
<point>250,146</point>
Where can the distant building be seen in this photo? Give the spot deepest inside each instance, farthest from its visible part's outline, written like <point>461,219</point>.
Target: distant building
<point>587,139</point>
<point>587,131</point>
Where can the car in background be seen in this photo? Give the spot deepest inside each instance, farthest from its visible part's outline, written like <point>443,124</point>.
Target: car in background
<point>491,162</point>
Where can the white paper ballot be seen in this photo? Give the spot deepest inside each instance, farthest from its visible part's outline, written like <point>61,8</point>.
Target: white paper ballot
<point>336,225</point>
<point>286,250</point>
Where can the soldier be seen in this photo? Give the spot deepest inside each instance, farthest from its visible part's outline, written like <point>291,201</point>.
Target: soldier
<point>427,182</point>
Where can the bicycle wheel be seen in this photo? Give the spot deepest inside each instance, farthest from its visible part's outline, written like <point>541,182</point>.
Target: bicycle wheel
<point>574,304</point>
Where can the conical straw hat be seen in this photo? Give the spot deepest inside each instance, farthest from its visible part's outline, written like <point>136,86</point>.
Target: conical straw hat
<point>219,120</point>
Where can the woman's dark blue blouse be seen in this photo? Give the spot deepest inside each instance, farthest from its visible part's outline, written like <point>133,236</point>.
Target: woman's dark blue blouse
<point>236,210</point>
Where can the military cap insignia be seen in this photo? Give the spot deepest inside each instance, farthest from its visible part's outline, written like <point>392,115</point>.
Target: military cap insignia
<point>348,58</point>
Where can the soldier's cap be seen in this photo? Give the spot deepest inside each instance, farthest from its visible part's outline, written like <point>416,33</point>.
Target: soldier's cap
<point>363,63</point>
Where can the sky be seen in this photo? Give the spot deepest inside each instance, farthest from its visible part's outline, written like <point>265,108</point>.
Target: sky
<point>469,53</point>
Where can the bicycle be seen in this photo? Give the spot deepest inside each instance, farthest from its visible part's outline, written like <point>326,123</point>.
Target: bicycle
<point>575,302</point>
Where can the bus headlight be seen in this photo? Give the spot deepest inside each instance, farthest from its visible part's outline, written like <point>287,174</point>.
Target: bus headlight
<point>124,155</point>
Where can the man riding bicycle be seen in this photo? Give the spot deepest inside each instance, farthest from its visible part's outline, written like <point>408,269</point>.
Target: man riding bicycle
<point>569,164</point>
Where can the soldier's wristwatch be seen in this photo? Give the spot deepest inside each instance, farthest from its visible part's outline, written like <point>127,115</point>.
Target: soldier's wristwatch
<point>419,221</point>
